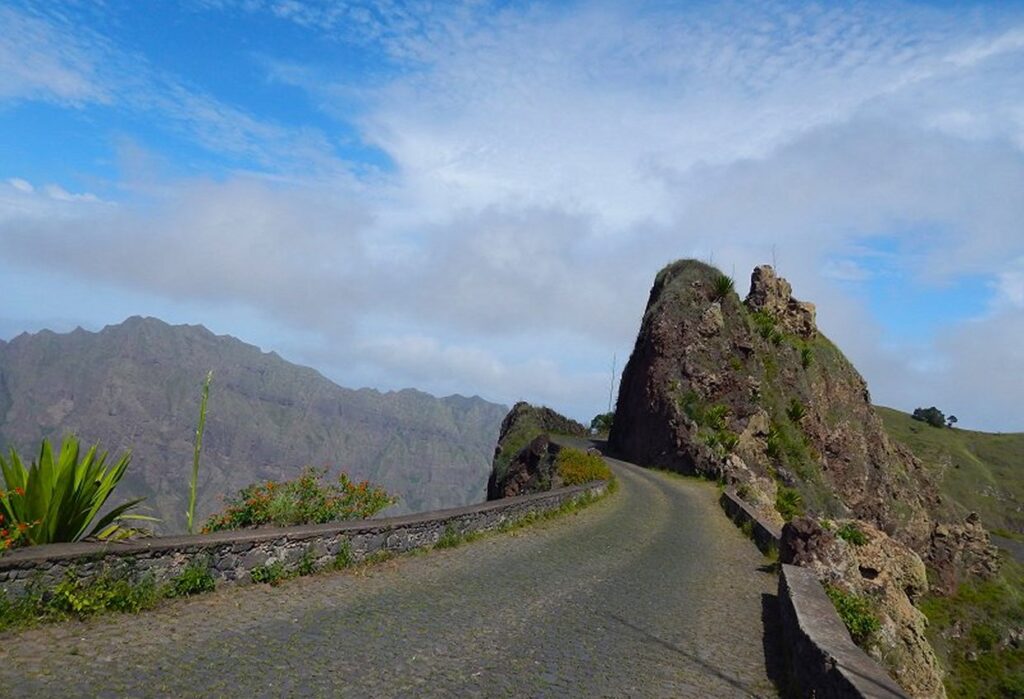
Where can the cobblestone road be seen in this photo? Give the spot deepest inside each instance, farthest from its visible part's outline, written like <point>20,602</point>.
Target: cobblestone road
<point>649,593</point>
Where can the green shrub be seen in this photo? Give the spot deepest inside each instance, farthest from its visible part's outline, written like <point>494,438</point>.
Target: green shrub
<point>602,423</point>
<point>305,500</point>
<point>307,564</point>
<point>722,286</point>
<point>58,498</point>
<point>852,533</point>
<point>806,357</point>
<point>74,596</point>
<point>789,503</point>
<point>856,613</point>
<point>715,415</point>
<point>193,580</point>
<point>344,558</point>
<point>796,411</point>
<point>272,574</point>
<point>449,539</point>
<point>764,324</point>
<point>576,467</point>
<point>774,443</point>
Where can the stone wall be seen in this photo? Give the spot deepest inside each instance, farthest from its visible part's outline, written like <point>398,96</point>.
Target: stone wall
<point>232,555</point>
<point>765,535</point>
<point>822,659</point>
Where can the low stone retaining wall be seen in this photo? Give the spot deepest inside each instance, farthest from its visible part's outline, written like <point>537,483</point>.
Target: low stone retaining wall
<point>765,535</point>
<point>232,555</point>
<point>823,660</point>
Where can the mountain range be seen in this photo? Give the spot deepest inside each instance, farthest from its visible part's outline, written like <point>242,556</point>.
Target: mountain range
<point>137,386</point>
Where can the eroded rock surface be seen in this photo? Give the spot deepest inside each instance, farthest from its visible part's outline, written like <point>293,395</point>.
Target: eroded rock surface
<point>524,459</point>
<point>891,577</point>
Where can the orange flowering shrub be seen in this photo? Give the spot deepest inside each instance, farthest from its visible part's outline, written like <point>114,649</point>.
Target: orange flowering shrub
<point>308,499</point>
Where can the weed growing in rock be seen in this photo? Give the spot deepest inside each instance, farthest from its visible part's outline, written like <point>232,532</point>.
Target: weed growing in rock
<point>307,564</point>
<point>856,613</point>
<point>449,539</point>
<point>193,580</point>
<point>789,503</point>
<point>273,574</point>
<point>722,286</point>
<point>344,558</point>
<point>796,411</point>
<point>806,357</point>
<point>852,533</point>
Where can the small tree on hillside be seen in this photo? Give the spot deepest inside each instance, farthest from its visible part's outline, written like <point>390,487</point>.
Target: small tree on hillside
<point>602,423</point>
<point>950,421</point>
<point>933,416</point>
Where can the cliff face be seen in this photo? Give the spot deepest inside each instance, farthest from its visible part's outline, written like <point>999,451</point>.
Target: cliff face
<point>752,393</point>
<point>136,385</point>
<point>524,459</point>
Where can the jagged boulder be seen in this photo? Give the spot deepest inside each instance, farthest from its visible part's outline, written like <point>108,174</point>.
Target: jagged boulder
<point>524,458</point>
<point>887,574</point>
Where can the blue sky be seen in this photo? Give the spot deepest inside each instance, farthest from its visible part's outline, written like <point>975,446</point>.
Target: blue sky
<point>474,197</point>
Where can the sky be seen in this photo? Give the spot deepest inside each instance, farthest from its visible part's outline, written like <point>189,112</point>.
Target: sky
<point>474,197</point>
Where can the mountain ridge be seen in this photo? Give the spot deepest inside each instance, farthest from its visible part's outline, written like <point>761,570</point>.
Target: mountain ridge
<point>136,385</point>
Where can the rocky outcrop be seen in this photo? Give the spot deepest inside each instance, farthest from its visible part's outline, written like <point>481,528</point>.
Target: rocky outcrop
<point>886,574</point>
<point>961,549</point>
<point>751,392</point>
<point>773,295</point>
<point>524,459</point>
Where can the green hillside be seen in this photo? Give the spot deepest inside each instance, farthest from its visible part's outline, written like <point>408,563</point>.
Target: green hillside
<point>982,471</point>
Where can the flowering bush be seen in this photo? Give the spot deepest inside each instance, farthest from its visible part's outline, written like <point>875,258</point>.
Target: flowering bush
<point>305,500</point>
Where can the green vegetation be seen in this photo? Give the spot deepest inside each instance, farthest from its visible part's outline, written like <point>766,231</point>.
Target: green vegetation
<point>856,613</point>
<point>344,558</point>
<point>789,503</point>
<point>852,533</point>
<point>722,286</point>
<point>806,357</point>
<point>74,597</point>
<point>796,411</point>
<point>602,424</point>
<point>57,498</point>
<point>576,467</point>
<point>304,500</point>
<point>449,539</point>
<point>195,579</point>
<point>272,574</point>
<point>971,632</point>
<point>190,513</point>
<point>979,470</point>
<point>932,416</point>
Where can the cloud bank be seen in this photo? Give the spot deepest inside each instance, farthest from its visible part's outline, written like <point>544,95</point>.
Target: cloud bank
<point>543,164</point>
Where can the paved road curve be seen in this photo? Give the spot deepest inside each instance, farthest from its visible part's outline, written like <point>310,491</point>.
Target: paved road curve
<point>650,593</point>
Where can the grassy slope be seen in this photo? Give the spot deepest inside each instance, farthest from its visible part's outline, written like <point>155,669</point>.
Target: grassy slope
<point>983,472</point>
<point>971,631</point>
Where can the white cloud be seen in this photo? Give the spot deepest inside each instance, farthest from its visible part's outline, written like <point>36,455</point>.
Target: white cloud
<point>548,161</point>
<point>21,185</point>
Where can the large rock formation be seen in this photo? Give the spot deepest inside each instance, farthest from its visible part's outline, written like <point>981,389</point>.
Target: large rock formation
<point>524,459</point>
<point>751,393</point>
<point>136,385</point>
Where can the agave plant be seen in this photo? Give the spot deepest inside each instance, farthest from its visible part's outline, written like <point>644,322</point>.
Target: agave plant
<point>57,499</point>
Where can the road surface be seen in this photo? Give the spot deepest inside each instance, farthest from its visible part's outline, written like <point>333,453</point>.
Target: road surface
<point>651,592</point>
